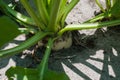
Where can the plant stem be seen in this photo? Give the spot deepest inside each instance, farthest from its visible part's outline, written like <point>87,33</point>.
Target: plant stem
<point>32,14</point>
<point>68,9</point>
<point>44,63</point>
<point>96,18</point>
<point>9,52</point>
<point>15,15</point>
<point>108,4</point>
<point>42,11</point>
<point>113,2</point>
<point>21,17</point>
<point>89,26</point>
<point>98,3</point>
<point>63,5</point>
<point>105,15</point>
<point>52,26</point>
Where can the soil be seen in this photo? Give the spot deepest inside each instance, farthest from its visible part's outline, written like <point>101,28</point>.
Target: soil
<point>96,55</point>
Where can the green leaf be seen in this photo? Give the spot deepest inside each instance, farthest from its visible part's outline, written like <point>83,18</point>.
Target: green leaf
<point>115,10</point>
<point>20,73</point>
<point>53,75</point>
<point>8,30</point>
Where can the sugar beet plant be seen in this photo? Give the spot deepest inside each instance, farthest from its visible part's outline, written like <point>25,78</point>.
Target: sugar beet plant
<point>110,12</point>
<point>47,22</point>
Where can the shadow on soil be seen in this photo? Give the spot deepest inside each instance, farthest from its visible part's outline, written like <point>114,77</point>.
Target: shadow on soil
<point>102,47</point>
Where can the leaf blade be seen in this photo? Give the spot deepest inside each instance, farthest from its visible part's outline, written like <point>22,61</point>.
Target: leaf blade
<point>8,30</point>
<point>20,73</point>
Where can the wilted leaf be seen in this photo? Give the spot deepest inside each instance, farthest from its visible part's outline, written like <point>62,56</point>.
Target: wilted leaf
<point>8,30</point>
